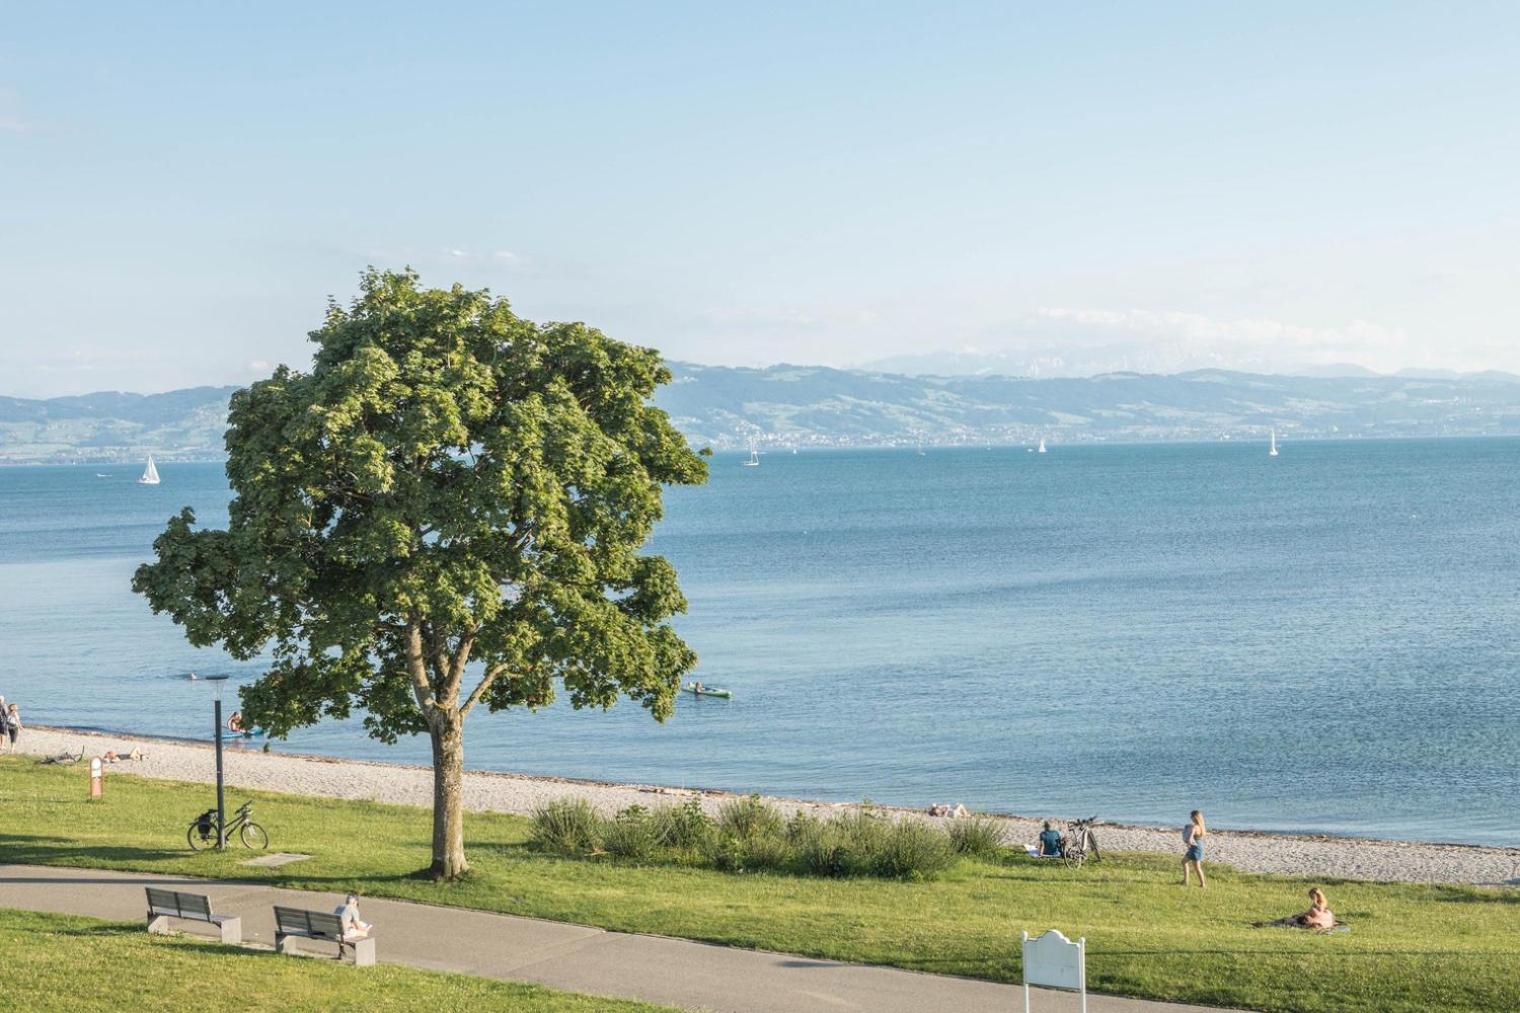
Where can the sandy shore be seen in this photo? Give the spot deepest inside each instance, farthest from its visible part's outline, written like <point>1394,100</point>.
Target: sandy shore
<point>1319,857</point>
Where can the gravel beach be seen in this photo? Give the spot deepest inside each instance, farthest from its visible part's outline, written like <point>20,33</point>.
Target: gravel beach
<point>1316,856</point>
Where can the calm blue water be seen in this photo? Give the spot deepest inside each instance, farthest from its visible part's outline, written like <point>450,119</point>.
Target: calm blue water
<point>1326,641</point>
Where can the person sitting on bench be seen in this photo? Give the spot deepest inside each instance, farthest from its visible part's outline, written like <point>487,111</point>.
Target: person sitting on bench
<point>354,927</point>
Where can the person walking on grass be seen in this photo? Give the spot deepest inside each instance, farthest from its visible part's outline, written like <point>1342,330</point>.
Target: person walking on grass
<point>1192,837</point>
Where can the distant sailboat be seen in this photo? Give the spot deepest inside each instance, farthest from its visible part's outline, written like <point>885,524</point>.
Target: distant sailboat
<point>150,473</point>
<point>1273,451</point>
<point>1042,446</point>
<point>754,459</point>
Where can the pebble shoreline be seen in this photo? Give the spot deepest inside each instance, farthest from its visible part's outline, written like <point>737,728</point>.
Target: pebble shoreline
<point>1324,857</point>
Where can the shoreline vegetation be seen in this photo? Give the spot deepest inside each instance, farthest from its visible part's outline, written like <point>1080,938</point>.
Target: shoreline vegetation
<point>1257,851</point>
<point>1410,947</point>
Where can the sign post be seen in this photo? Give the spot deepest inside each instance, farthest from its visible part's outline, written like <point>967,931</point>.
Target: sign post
<point>96,782</point>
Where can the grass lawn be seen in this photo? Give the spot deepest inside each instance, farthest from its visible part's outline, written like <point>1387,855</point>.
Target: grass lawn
<point>59,962</point>
<point>1411,947</point>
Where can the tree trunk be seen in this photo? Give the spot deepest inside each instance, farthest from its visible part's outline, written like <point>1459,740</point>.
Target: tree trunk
<point>448,790</point>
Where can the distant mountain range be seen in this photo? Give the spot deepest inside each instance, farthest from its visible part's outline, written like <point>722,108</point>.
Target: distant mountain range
<point>814,406</point>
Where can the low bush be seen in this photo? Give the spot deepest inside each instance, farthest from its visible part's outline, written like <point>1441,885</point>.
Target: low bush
<point>684,827</point>
<point>567,824</point>
<point>750,835</point>
<point>910,849</point>
<point>750,816</point>
<point>979,836</point>
<point>631,834</point>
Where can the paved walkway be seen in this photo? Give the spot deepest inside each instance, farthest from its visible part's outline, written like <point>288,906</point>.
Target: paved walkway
<point>675,972</point>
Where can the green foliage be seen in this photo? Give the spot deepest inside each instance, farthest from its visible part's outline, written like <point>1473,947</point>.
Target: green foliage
<point>911,850</point>
<point>631,834</point>
<point>684,827</point>
<point>749,816</point>
<point>566,824</point>
<point>977,835</point>
<point>451,489</point>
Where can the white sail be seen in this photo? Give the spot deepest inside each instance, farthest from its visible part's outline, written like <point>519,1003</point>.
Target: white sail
<point>150,473</point>
<point>1273,452</point>
<point>754,459</point>
<point>1042,445</point>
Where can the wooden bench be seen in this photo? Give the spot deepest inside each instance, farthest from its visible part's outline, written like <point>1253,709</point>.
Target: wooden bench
<point>194,907</point>
<point>294,923</point>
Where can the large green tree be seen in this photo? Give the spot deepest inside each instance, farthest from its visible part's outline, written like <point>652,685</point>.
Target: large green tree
<point>445,512</point>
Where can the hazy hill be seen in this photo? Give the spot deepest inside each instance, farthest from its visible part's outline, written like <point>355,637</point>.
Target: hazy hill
<point>816,406</point>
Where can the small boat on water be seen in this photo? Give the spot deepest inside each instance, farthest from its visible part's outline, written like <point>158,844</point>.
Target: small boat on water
<point>1042,446</point>
<point>692,688</point>
<point>1273,451</point>
<point>754,459</point>
<point>150,473</point>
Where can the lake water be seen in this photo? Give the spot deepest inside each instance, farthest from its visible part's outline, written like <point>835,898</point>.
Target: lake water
<point>1326,640</point>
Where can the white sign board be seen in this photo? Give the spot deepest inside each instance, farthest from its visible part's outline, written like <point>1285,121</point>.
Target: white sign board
<point>1053,961</point>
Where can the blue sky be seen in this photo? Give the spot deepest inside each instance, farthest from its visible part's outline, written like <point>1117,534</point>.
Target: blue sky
<point>1127,185</point>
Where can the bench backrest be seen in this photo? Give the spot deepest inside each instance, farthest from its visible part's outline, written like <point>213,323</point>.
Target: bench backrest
<point>179,905</point>
<point>293,921</point>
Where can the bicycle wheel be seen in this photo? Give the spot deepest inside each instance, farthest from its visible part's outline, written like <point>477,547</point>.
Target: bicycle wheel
<point>1074,857</point>
<point>198,840</point>
<point>252,835</point>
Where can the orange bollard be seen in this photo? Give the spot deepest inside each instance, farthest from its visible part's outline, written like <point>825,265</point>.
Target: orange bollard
<point>96,780</point>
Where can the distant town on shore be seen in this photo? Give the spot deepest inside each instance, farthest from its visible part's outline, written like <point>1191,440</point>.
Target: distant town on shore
<point>785,407</point>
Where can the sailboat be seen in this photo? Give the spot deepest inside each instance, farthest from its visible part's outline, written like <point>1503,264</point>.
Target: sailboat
<point>150,473</point>
<point>754,459</point>
<point>1042,446</point>
<point>1273,451</point>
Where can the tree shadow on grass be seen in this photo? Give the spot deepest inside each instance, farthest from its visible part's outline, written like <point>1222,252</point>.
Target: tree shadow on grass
<point>43,849</point>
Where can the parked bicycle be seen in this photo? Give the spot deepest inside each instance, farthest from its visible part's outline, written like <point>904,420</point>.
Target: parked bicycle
<point>202,833</point>
<point>1081,843</point>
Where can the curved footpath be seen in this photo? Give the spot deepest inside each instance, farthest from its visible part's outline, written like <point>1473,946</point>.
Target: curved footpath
<point>250,767</point>
<point>675,972</point>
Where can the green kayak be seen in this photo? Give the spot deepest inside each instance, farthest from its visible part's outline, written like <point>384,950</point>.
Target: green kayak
<point>691,687</point>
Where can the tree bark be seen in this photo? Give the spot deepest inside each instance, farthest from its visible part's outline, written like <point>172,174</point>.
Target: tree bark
<point>446,729</point>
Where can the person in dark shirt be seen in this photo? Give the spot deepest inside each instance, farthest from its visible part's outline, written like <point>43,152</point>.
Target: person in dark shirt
<point>1051,843</point>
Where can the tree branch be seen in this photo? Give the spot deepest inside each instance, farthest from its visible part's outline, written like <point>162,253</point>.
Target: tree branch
<point>479,691</point>
<point>417,667</point>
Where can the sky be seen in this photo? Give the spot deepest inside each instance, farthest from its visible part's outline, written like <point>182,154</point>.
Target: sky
<point>1064,188</point>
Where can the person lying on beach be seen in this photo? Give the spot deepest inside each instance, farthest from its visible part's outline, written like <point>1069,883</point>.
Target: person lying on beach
<point>1319,916</point>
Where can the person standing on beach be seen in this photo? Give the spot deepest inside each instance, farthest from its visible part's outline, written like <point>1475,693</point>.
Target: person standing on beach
<point>1192,836</point>
<point>5,726</point>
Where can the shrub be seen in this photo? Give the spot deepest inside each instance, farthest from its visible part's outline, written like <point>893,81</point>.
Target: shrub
<point>975,835</point>
<point>817,846</point>
<point>910,849</point>
<point>684,827</point>
<point>860,837</point>
<point>631,834</point>
<point>748,817</point>
<point>767,851</point>
<point>566,824</point>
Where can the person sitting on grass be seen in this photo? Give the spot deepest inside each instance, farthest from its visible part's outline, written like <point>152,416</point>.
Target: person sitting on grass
<point>354,927</point>
<point>1052,844</point>
<point>1319,916</point>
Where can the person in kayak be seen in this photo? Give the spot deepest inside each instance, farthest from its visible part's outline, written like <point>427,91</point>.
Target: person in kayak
<point>697,687</point>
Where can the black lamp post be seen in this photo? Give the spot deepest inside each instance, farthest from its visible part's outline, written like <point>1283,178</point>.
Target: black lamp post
<point>221,805</point>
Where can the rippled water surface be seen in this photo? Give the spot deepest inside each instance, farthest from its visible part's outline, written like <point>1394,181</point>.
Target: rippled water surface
<point>1326,640</point>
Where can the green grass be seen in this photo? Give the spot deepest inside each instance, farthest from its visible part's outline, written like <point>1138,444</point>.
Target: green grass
<point>1412,947</point>
<point>60,962</point>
